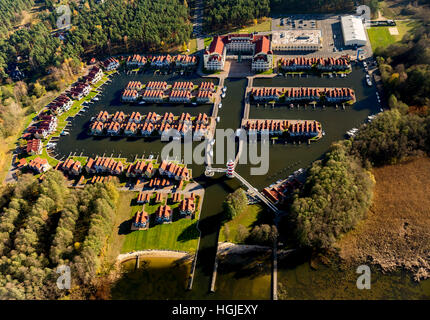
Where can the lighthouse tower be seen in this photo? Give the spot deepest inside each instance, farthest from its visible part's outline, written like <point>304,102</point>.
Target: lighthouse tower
<point>230,168</point>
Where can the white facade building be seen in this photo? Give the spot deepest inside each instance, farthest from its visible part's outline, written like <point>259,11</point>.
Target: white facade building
<point>259,48</point>
<point>353,31</point>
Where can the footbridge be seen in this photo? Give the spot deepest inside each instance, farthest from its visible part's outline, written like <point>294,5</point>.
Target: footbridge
<point>210,171</point>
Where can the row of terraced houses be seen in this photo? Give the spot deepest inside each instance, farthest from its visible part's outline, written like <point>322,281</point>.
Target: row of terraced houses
<point>331,95</point>
<point>110,166</point>
<point>295,128</point>
<point>160,91</point>
<point>45,123</point>
<point>150,124</point>
<point>83,87</point>
<point>317,63</point>
<point>160,61</point>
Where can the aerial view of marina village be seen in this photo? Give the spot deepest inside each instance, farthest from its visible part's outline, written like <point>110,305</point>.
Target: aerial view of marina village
<point>214,150</point>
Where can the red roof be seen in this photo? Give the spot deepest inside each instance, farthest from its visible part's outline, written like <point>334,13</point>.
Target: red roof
<point>217,45</point>
<point>263,45</point>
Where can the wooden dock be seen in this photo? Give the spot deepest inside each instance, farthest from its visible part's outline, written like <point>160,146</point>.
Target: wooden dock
<point>275,272</point>
<point>215,270</point>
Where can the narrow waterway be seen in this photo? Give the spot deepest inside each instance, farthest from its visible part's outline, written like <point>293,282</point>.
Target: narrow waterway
<point>166,279</point>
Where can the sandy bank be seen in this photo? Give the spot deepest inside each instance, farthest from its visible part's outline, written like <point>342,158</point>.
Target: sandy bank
<point>225,248</point>
<point>154,254</point>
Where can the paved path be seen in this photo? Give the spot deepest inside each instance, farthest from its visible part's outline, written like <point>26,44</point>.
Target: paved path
<point>198,25</point>
<point>246,99</point>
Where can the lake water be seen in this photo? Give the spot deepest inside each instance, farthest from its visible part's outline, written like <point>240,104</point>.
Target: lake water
<point>165,279</point>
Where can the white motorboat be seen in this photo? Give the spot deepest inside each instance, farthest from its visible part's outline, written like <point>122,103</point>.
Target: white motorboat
<point>352,132</point>
<point>368,80</point>
<point>220,105</point>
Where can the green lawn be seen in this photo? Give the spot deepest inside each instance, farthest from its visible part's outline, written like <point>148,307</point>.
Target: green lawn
<point>264,25</point>
<point>270,71</point>
<point>181,234</point>
<point>404,27</point>
<point>208,41</point>
<point>248,218</point>
<point>381,37</point>
<point>192,45</point>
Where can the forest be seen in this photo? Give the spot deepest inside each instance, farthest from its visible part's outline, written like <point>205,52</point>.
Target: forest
<point>50,63</point>
<point>221,15</point>
<point>338,190</point>
<point>405,67</point>
<point>44,225</point>
<point>98,29</point>
<point>336,195</point>
<point>224,14</point>
<point>10,14</point>
<point>311,6</point>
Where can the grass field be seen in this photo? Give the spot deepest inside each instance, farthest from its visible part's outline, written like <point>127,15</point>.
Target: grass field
<point>208,41</point>
<point>381,37</point>
<point>248,218</point>
<point>192,45</point>
<point>181,234</point>
<point>263,25</point>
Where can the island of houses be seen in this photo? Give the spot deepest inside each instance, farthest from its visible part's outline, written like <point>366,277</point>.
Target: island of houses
<point>151,124</point>
<point>179,61</point>
<point>318,64</point>
<point>161,92</point>
<point>288,128</point>
<point>303,94</point>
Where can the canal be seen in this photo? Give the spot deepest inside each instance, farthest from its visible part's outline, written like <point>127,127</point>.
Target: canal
<point>162,278</point>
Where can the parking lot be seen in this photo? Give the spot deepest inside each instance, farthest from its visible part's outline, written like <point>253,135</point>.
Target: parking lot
<point>331,33</point>
<point>293,22</point>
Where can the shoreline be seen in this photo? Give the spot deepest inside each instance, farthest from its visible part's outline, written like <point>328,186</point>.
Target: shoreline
<point>154,253</point>
<point>226,248</point>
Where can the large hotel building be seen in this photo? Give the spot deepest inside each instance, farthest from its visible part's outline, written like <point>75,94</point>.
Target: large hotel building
<point>258,46</point>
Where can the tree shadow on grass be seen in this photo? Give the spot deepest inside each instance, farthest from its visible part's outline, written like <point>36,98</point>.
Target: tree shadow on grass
<point>264,216</point>
<point>189,233</point>
<point>124,227</point>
